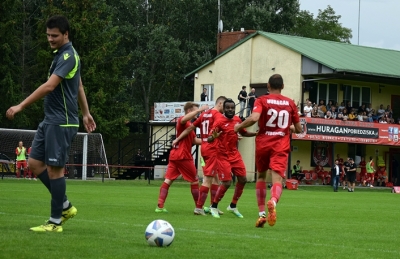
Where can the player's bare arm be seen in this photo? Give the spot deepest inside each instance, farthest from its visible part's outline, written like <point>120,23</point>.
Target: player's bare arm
<point>297,127</point>
<point>196,141</point>
<point>38,94</point>
<point>88,121</point>
<point>250,121</point>
<point>183,134</point>
<point>191,115</point>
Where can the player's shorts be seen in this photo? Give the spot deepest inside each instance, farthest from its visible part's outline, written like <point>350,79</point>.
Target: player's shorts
<point>183,167</point>
<point>238,168</point>
<point>267,158</point>
<point>21,164</point>
<point>52,143</point>
<point>351,177</point>
<point>216,165</point>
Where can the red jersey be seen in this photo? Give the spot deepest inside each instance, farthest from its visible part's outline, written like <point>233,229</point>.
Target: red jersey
<point>205,123</point>
<point>277,113</point>
<point>363,167</point>
<point>227,141</point>
<point>183,150</point>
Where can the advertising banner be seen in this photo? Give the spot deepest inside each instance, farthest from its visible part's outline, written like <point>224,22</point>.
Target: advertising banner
<point>169,111</point>
<point>318,129</point>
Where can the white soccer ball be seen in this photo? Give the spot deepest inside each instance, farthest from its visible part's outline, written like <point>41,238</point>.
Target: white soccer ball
<point>159,233</point>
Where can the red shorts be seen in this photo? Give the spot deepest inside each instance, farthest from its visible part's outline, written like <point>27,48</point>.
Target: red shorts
<point>185,168</point>
<point>213,165</point>
<point>267,158</point>
<point>21,164</point>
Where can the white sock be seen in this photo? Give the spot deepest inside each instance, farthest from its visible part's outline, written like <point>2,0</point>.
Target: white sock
<point>261,213</point>
<point>57,221</point>
<point>65,204</point>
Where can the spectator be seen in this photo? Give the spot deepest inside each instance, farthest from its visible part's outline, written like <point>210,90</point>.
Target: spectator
<point>341,107</point>
<point>362,109</point>
<point>308,109</point>
<point>389,112</point>
<point>348,106</point>
<point>242,101</point>
<point>297,171</point>
<point>329,105</point>
<point>321,108</point>
<point>328,115</point>
<point>381,176</point>
<point>139,156</point>
<point>315,113</point>
<point>204,96</point>
<point>250,104</point>
<point>352,116</point>
<point>336,175</point>
<point>334,112</point>
<point>360,116</point>
<point>345,115</point>
<point>380,112</point>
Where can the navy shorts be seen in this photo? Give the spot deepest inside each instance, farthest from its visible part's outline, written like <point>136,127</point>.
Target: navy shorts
<point>52,143</point>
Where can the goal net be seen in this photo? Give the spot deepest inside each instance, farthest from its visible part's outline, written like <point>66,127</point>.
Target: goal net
<point>87,156</point>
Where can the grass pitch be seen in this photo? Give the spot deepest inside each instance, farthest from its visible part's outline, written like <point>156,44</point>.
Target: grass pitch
<point>313,222</point>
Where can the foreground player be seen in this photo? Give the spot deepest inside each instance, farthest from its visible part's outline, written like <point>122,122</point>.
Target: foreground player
<point>208,151</point>
<point>180,157</point>
<point>275,114</point>
<point>229,157</point>
<point>62,92</point>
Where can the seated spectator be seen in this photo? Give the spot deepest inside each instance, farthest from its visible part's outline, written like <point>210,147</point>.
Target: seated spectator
<point>367,117</point>
<point>297,172</point>
<point>382,120</point>
<point>360,116</point>
<point>329,105</point>
<point>352,116</point>
<point>334,112</point>
<point>389,112</point>
<point>315,113</point>
<point>381,176</point>
<point>339,116</point>
<point>328,115</point>
<point>341,107</point>
<point>345,114</point>
<point>362,109</point>
<point>369,108</point>
<point>380,112</point>
<point>321,108</point>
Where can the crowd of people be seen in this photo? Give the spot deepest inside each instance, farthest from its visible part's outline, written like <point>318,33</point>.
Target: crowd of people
<point>335,111</point>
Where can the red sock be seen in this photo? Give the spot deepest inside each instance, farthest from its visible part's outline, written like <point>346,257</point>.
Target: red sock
<point>202,196</point>
<point>276,192</point>
<point>163,194</point>
<point>220,193</point>
<point>213,190</point>
<point>238,192</point>
<point>194,188</point>
<point>25,173</point>
<point>261,193</point>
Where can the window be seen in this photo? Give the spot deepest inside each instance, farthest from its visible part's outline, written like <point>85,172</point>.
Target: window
<point>357,95</point>
<point>324,91</point>
<point>209,92</point>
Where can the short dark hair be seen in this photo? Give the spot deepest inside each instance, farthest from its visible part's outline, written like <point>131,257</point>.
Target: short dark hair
<point>276,81</point>
<point>243,87</point>
<point>298,161</point>
<point>58,21</point>
<point>229,100</point>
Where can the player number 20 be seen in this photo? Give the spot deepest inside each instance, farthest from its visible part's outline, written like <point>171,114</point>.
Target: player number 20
<point>280,119</point>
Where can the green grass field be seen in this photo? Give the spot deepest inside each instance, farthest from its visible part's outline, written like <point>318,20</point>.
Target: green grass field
<point>313,222</point>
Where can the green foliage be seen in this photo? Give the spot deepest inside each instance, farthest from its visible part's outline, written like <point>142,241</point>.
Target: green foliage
<point>313,222</point>
<point>134,54</point>
<point>325,26</point>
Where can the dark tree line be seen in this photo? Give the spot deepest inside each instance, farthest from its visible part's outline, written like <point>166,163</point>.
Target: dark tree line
<point>134,52</point>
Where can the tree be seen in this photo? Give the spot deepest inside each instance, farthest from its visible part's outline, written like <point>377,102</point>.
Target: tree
<point>325,26</point>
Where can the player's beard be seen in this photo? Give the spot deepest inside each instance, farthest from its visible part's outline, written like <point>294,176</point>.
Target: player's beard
<point>229,115</point>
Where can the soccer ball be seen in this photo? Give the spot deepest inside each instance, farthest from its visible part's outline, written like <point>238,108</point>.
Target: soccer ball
<point>159,233</point>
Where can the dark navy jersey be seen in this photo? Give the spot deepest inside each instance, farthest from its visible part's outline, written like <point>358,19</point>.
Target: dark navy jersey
<point>61,105</point>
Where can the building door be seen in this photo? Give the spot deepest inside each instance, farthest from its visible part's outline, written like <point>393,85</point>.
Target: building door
<point>394,165</point>
<point>396,106</point>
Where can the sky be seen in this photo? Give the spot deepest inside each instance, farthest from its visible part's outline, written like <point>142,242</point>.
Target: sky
<point>379,20</point>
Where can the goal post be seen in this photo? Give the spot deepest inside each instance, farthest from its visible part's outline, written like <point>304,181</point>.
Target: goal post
<point>87,154</point>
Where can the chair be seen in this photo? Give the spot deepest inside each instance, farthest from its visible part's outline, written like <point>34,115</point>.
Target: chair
<point>307,177</point>
<point>314,176</point>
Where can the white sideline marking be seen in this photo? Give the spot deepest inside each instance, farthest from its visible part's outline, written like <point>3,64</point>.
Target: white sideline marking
<point>225,234</point>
